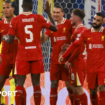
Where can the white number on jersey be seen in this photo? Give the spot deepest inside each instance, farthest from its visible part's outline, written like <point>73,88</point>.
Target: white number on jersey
<point>29,32</point>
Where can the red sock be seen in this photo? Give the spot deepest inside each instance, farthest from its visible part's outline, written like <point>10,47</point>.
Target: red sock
<point>19,95</point>
<point>102,98</point>
<point>24,97</point>
<point>81,99</point>
<point>94,99</point>
<point>71,96</point>
<point>53,96</point>
<point>37,95</point>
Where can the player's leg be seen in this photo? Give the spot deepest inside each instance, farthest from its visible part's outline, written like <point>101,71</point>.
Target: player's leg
<point>92,85</point>
<point>36,69</point>
<point>22,69</point>
<point>5,70</point>
<point>55,76</point>
<point>70,90</point>
<point>101,85</point>
<point>65,76</point>
<point>94,96</point>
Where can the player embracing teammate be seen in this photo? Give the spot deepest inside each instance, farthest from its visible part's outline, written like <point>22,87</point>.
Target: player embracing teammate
<point>94,38</point>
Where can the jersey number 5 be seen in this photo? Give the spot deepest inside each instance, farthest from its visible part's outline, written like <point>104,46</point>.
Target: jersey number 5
<point>29,32</point>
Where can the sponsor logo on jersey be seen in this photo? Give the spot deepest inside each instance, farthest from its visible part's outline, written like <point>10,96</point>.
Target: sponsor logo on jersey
<point>72,76</point>
<point>91,46</point>
<point>60,38</point>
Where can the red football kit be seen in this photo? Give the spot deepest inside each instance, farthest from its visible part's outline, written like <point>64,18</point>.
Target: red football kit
<point>8,52</point>
<point>59,38</point>
<point>95,43</point>
<point>78,63</point>
<point>27,27</point>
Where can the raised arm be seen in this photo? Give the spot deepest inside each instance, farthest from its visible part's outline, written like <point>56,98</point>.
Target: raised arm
<point>47,9</point>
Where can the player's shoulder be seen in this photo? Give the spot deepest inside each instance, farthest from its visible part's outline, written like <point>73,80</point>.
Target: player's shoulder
<point>67,21</point>
<point>2,21</point>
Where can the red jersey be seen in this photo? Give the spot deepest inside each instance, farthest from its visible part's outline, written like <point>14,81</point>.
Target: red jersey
<point>95,46</point>
<point>27,27</point>
<point>59,38</point>
<point>9,51</point>
<point>81,53</point>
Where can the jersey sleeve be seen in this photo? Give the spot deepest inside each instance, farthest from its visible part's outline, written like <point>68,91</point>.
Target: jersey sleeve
<point>12,27</point>
<point>79,41</point>
<point>75,54</point>
<point>48,32</point>
<point>44,22</point>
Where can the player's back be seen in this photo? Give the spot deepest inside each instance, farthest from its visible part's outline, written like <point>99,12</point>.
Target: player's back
<point>28,27</point>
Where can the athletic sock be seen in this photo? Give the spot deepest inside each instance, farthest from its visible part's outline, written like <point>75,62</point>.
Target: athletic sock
<point>94,99</point>
<point>19,95</point>
<point>102,98</point>
<point>81,99</point>
<point>71,96</point>
<point>24,97</point>
<point>53,96</point>
<point>37,95</point>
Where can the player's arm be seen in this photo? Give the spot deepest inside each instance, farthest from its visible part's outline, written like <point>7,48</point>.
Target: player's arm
<point>47,9</point>
<point>45,35</point>
<point>11,33</point>
<point>71,48</point>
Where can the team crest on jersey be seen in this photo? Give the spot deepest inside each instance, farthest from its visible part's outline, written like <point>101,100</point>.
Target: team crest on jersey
<point>64,29</point>
<point>89,38</point>
<point>102,38</point>
<point>2,30</point>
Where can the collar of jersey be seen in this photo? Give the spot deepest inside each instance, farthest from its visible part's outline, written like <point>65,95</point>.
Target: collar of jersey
<point>101,30</point>
<point>80,25</point>
<point>26,13</point>
<point>63,21</point>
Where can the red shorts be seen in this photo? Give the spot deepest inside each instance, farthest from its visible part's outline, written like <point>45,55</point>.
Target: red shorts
<point>5,67</point>
<point>26,67</point>
<point>59,72</point>
<point>95,79</point>
<point>77,76</point>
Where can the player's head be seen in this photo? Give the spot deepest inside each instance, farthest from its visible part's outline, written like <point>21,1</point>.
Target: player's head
<point>58,13</point>
<point>98,20</point>
<point>8,8</point>
<point>76,16</point>
<point>27,5</point>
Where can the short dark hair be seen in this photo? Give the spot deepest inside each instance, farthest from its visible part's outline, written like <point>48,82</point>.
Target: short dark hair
<point>100,14</point>
<point>79,12</point>
<point>12,3</point>
<point>58,6</point>
<point>29,1</point>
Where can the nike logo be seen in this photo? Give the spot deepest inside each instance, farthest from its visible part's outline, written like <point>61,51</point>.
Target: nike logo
<point>2,30</point>
<point>89,38</point>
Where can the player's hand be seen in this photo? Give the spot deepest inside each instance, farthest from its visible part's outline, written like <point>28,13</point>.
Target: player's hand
<point>61,53</point>
<point>60,59</point>
<point>47,9</point>
<point>4,37</point>
<point>65,47</point>
<point>67,65</point>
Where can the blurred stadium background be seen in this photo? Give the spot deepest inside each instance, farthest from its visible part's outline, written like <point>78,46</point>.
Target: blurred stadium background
<point>90,7</point>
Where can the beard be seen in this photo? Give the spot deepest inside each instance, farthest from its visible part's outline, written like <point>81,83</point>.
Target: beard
<point>97,26</point>
<point>7,17</point>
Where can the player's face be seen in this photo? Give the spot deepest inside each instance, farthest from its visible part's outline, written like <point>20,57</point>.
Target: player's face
<point>57,14</point>
<point>97,22</point>
<point>8,10</point>
<point>73,19</point>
